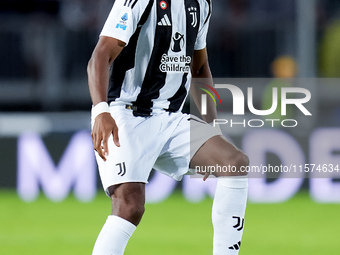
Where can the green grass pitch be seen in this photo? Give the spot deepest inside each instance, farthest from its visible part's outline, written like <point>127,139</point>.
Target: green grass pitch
<point>175,226</point>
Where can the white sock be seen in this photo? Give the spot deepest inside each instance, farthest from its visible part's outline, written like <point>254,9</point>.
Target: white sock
<point>228,211</point>
<point>114,236</point>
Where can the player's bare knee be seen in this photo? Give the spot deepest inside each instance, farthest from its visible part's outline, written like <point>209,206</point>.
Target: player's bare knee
<point>234,164</point>
<point>242,163</point>
<point>134,212</point>
<point>128,201</point>
<point>239,162</point>
<point>131,210</point>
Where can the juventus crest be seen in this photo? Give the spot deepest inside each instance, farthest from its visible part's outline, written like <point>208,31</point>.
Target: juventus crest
<point>193,13</point>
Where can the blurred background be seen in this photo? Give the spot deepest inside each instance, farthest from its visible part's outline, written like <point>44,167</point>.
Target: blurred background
<point>45,45</point>
<point>45,144</point>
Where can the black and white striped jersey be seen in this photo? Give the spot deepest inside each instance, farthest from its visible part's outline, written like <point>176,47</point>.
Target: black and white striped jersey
<point>152,72</point>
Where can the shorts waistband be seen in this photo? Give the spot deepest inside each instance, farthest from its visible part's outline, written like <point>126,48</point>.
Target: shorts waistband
<point>138,111</point>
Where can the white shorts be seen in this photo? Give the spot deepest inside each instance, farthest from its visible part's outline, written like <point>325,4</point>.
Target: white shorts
<point>162,142</point>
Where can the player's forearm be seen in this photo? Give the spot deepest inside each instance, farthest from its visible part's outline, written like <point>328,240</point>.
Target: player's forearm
<point>98,78</point>
<point>106,51</point>
<point>204,76</point>
<point>211,113</point>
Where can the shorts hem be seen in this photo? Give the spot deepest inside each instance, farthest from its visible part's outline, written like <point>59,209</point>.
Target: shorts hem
<point>122,182</point>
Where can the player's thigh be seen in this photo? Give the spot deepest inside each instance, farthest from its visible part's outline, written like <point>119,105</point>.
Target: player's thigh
<point>218,153</point>
<point>140,145</point>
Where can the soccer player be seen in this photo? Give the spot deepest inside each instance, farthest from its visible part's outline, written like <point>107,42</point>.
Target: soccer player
<point>139,76</point>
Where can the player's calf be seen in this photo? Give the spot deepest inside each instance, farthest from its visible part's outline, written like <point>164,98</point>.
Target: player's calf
<point>226,162</point>
<point>128,201</point>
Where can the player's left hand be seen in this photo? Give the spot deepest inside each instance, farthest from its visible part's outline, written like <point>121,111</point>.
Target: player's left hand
<point>206,176</point>
<point>103,127</point>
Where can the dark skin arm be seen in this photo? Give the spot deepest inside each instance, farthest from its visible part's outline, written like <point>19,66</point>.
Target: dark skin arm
<point>200,69</point>
<point>105,52</point>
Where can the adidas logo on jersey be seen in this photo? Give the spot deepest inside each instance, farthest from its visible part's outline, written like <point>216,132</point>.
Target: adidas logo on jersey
<point>165,21</point>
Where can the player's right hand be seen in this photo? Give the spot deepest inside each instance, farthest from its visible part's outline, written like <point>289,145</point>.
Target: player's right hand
<point>104,126</point>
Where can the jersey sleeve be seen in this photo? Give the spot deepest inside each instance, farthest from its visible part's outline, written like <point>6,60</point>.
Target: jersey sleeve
<point>201,40</point>
<point>123,19</point>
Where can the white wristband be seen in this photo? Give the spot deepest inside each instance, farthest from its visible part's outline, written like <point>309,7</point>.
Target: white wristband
<point>100,108</point>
